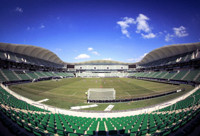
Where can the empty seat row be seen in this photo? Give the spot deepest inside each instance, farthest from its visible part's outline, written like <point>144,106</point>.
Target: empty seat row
<point>13,75</point>
<point>160,122</point>
<point>185,75</point>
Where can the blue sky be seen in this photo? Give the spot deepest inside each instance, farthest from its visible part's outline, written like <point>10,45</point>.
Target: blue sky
<point>81,30</point>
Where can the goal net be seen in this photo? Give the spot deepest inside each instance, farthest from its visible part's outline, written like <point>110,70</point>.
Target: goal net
<point>101,94</point>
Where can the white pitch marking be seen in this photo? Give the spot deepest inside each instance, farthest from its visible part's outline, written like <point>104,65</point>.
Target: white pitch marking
<point>73,94</point>
<point>128,93</point>
<point>109,108</point>
<point>44,100</point>
<point>83,107</point>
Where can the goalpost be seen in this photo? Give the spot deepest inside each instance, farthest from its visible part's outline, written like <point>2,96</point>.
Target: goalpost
<point>101,94</point>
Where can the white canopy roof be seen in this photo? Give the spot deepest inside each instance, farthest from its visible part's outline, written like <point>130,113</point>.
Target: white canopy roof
<point>41,53</point>
<point>32,51</point>
<point>169,51</point>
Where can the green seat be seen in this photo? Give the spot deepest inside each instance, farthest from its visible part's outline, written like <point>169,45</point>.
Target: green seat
<point>166,133</point>
<point>20,123</point>
<point>50,130</point>
<point>144,132</point>
<point>79,131</point>
<point>72,134</point>
<point>69,130</point>
<point>28,128</point>
<point>135,129</point>
<point>60,132</point>
<point>152,130</point>
<point>90,132</point>
<point>37,133</point>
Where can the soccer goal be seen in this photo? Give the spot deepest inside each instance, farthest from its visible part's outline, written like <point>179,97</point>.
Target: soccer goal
<point>101,94</point>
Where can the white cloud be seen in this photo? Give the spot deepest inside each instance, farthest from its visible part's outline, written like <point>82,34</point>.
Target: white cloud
<point>90,49</point>
<point>148,36</point>
<point>107,59</point>
<point>28,28</point>
<point>42,26</point>
<point>180,31</point>
<point>18,9</point>
<point>58,49</point>
<point>124,24</point>
<point>95,53</point>
<point>168,37</point>
<point>142,24</point>
<point>82,56</point>
<point>131,59</point>
<point>137,59</point>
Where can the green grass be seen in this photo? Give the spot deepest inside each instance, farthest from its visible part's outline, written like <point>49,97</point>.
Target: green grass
<point>71,91</point>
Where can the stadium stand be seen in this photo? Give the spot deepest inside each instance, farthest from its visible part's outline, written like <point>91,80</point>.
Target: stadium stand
<point>191,75</point>
<point>13,75</point>
<point>8,99</point>
<point>175,59</point>
<point>26,63</point>
<point>181,75</point>
<point>10,75</point>
<point>41,122</point>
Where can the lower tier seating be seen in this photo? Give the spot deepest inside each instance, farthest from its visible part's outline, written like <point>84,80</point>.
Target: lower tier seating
<point>11,75</point>
<point>185,75</point>
<point>41,122</point>
<point>9,100</point>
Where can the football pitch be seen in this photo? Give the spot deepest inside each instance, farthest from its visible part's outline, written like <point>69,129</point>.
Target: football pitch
<point>69,92</point>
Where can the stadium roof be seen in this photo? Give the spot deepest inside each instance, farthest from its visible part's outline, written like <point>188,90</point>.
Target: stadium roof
<point>32,51</point>
<point>169,51</point>
<point>41,53</point>
<point>98,62</point>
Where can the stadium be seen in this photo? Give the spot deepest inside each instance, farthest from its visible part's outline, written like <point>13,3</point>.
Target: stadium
<point>42,95</point>
<point>99,68</point>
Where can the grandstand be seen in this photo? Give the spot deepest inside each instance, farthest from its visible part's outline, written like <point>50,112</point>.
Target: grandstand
<point>173,64</point>
<point>101,68</point>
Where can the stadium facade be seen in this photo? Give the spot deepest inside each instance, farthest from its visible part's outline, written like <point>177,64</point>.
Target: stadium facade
<point>179,64</point>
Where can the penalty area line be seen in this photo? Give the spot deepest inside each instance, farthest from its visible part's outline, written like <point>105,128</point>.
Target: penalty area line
<point>44,100</point>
